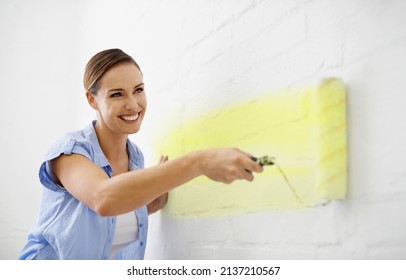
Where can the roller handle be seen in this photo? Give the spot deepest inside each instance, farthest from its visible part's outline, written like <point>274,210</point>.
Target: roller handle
<point>265,160</point>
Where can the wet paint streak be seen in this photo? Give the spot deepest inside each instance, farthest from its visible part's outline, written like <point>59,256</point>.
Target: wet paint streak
<point>290,185</point>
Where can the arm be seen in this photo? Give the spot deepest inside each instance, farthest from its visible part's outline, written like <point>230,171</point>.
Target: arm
<point>128,191</point>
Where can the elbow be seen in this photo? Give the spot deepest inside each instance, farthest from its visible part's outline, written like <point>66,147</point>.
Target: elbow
<point>102,206</point>
<point>107,204</point>
<point>102,211</point>
<point>109,201</point>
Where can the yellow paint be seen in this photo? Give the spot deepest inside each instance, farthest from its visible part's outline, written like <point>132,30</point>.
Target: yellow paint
<point>303,128</point>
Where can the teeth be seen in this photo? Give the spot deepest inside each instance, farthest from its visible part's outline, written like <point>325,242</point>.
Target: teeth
<point>130,118</point>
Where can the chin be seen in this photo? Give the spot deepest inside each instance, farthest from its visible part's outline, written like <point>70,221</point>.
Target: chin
<point>134,130</point>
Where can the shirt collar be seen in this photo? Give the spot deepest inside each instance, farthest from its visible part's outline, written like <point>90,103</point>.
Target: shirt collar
<point>99,157</point>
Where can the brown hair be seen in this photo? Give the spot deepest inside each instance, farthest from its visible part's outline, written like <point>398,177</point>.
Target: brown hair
<point>100,63</point>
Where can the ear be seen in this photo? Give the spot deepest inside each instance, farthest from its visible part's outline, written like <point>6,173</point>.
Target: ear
<point>91,100</point>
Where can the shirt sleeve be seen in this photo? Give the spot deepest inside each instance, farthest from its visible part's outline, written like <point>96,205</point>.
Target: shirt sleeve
<point>65,146</point>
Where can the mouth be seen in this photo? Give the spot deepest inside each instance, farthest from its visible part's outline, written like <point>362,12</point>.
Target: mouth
<point>130,118</point>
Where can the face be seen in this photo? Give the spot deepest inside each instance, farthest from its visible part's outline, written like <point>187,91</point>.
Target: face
<point>120,101</point>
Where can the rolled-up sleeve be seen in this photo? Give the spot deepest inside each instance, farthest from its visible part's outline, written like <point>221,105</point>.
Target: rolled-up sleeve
<point>66,146</point>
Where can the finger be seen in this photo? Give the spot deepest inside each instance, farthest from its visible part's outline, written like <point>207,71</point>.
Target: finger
<point>163,159</point>
<point>252,166</point>
<point>250,163</point>
<point>248,176</point>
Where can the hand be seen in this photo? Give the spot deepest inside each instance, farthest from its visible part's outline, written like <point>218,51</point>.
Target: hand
<point>158,203</point>
<point>228,165</point>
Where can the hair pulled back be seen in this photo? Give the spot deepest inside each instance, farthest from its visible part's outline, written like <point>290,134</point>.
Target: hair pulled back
<point>100,63</point>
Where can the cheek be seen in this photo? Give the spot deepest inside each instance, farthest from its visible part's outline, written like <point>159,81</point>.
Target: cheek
<point>106,108</point>
<point>143,101</point>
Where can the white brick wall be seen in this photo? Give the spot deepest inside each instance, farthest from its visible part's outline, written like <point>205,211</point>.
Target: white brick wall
<point>200,55</point>
<point>262,45</point>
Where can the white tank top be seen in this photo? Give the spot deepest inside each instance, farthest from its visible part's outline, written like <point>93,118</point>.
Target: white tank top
<point>126,231</point>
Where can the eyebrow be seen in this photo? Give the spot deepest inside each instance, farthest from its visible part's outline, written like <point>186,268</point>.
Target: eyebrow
<point>120,89</point>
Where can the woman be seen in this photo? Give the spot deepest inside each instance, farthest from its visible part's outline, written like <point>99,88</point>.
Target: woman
<point>97,194</point>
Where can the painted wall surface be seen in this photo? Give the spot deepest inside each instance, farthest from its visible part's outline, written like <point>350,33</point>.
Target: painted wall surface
<point>200,57</point>
<point>304,131</point>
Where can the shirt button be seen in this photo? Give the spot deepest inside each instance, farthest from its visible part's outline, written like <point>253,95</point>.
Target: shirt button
<point>141,225</point>
<point>142,243</point>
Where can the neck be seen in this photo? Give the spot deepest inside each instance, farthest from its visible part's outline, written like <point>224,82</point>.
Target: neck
<point>113,145</point>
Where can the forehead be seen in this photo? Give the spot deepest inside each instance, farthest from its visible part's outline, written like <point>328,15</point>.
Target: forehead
<point>122,75</point>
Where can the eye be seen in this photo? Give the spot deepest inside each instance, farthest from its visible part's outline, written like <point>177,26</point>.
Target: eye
<point>139,90</point>
<point>116,94</point>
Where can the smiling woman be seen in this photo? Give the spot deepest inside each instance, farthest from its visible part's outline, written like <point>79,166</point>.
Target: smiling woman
<point>120,92</point>
<point>120,102</point>
<point>97,194</point>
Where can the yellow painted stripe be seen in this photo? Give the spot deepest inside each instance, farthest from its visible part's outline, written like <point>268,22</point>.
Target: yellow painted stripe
<point>303,128</point>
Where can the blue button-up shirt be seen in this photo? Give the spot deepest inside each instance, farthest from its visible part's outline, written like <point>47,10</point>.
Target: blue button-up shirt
<point>68,229</point>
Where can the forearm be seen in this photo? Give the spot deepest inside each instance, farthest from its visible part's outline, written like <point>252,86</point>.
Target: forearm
<point>128,191</point>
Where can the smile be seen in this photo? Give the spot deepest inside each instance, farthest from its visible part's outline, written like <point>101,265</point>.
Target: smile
<point>130,118</point>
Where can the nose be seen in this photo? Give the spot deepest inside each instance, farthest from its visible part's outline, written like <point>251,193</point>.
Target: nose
<point>131,103</point>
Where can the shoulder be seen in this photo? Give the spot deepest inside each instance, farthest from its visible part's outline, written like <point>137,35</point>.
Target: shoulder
<point>73,142</point>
